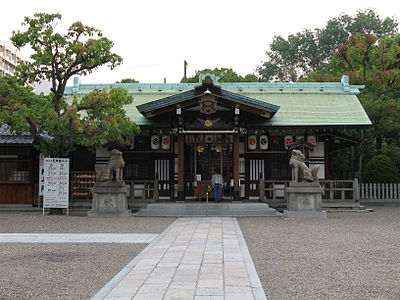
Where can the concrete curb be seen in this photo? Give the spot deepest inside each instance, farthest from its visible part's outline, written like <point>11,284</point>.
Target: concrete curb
<point>121,275</point>
<point>258,291</point>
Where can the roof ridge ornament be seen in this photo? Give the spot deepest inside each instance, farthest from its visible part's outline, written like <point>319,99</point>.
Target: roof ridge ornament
<point>208,103</point>
<point>210,78</point>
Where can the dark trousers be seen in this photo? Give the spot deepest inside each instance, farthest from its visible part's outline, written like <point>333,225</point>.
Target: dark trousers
<point>217,192</point>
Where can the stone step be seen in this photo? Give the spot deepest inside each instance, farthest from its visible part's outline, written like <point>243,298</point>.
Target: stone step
<point>213,209</point>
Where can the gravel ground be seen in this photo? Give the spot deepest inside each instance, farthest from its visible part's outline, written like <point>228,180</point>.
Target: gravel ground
<point>35,222</point>
<point>349,256</point>
<point>65,271</point>
<point>60,271</point>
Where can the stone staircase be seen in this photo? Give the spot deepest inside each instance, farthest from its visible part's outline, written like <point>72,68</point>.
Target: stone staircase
<point>212,210</point>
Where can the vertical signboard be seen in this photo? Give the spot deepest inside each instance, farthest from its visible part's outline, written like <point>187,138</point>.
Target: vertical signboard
<point>56,183</point>
<point>41,174</point>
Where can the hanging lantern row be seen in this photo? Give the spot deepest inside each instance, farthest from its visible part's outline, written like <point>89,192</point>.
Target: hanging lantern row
<point>164,143</point>
<point>217,148</point>
<point>252,142</point>
<point>287,140</point>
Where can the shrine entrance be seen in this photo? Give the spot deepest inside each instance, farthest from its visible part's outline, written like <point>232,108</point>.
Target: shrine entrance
<point>214,154</point>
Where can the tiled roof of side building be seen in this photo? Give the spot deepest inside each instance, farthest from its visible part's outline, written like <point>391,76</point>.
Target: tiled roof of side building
<point>7,137</point>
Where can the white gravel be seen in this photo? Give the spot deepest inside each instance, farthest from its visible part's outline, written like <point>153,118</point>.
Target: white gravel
<point>60,271</point>
<point>348,256</point>
<point>65,271</point>
<point>35,222</point>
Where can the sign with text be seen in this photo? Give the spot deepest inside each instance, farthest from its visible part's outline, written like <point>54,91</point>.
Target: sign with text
<point>41,174</point>
<point>56,183</point>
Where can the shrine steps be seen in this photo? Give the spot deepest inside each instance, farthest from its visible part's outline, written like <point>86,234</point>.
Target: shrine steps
<point>212,210</point>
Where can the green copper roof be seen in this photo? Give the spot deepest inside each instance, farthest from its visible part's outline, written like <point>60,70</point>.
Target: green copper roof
<point>187,95</point>
<point>301,104</point>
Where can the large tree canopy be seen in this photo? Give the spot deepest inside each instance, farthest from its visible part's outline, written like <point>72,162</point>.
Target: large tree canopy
<point>375,63</point>
<point>312,50</point>
<point>58,124</point>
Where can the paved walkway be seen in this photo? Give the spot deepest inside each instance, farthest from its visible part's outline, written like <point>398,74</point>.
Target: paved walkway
<point>194,258</point>
<point>77,237</point>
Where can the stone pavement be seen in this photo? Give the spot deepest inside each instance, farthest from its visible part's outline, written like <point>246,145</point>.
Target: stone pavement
<point>194,258</point>
<point>128,238</point>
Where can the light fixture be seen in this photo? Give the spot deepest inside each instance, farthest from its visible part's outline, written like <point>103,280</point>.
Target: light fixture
<point>208,123</point>
<point>200,148</point>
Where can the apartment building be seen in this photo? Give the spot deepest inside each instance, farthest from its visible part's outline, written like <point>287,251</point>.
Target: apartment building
<point>9,57</point>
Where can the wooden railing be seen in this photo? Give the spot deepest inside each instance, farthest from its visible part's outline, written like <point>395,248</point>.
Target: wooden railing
<point>380,192</point>
<point>143,190</point>
<point>337,193</point>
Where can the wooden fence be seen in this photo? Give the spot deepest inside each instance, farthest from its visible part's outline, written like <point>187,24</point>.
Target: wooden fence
<point>143,190</point>
<point>337,193</point>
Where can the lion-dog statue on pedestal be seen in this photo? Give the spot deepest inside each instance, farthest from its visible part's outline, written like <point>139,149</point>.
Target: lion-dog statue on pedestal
<point>300,171</point>
<point>113,169</point>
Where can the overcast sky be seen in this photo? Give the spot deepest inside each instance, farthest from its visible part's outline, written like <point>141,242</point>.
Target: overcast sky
<point>155,36</point>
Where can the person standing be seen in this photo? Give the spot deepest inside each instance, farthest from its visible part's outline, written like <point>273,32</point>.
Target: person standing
<point>216,181</point>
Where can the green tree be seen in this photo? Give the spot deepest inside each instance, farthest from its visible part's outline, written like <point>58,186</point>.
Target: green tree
<point>312,50</point>
<point>375,63</point>
<point>381,168</point>
<point>228,76</point>
<point>128,80</point>
<point>59,124</point>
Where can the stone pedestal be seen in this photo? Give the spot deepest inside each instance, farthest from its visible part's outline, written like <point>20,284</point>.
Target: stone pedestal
<point>304,201</point>
<point>109,200</point>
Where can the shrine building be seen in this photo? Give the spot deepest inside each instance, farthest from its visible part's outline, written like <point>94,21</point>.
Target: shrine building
<point>244,130</point>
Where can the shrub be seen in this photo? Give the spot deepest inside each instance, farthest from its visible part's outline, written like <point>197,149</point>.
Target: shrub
<point>381,168</point>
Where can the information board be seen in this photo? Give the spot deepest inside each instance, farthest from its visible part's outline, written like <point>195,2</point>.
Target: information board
<point>56,183</point>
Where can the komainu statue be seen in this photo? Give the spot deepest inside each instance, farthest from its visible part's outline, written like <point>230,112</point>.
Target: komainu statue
<point>300,171</point>
<point>113,170</point>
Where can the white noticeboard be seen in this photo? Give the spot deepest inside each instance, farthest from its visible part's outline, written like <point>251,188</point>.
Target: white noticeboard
<point>56,183</point>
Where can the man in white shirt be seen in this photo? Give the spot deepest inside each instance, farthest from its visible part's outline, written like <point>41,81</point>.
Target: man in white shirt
<point>216,181</point>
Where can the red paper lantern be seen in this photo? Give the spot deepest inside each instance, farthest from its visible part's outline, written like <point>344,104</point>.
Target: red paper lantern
<point>288,140</point>
<point>311,139</point>
<point>252,142</point>
<point>166,142</point>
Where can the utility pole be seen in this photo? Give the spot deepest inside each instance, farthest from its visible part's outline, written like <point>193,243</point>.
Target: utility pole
<point>185,64</point>
<point>184,79</point>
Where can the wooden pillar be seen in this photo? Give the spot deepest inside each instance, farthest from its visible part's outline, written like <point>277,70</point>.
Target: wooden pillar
<point>181,167</point>
<point>236,150</point>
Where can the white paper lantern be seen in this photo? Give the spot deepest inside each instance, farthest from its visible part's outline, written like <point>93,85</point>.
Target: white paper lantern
<point>166,142</point>
<point>155,142</point>
<point>263,142</point>
<point>252,142</point>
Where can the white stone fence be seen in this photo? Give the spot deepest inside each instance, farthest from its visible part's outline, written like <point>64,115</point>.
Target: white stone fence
<point>380,193</point>
<point>337,193</point>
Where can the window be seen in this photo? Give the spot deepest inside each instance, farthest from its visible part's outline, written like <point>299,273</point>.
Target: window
<point>137,170</point>
<point>279,166</point>
<point>15,163</point>
<point>15,170</point>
